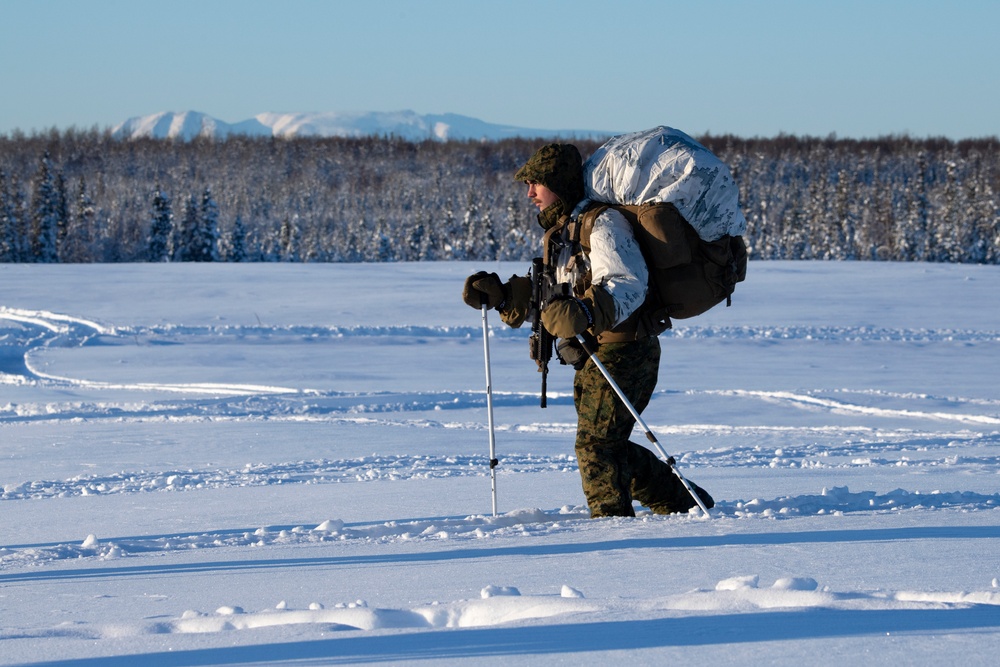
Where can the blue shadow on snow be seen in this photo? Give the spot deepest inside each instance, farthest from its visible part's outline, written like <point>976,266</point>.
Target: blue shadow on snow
<point>530,550</point>
<point>574,638</point>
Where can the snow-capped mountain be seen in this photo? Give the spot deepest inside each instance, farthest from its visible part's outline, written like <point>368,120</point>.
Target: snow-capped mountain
<point>405,124</point>
<point>186,125</point>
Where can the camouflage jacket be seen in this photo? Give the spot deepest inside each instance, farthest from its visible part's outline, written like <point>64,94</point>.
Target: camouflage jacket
<point>604,266</point>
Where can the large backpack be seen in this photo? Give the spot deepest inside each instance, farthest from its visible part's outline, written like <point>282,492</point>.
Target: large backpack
<point>683,204</point>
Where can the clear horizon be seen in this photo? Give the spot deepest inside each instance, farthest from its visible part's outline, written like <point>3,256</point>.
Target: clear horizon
<point>854,69</point>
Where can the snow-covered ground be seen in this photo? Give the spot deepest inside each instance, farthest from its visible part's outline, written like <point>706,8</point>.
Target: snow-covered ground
<point>288,464</point>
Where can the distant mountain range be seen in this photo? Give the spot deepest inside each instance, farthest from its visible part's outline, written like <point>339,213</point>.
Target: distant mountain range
<point>403,124</point>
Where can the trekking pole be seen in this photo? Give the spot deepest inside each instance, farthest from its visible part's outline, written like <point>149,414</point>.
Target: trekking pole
<point>489,409</point>
<point>669,460</point>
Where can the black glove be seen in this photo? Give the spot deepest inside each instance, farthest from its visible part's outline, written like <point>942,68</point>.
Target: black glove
<point>570,352</point>
<point>483,288</point>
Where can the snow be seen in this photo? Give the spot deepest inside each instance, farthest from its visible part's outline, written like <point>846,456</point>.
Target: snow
<point>408,125</point>
<point>288,464</point>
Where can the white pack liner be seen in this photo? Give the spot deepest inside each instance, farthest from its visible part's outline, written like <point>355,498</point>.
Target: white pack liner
<point>666,165</point>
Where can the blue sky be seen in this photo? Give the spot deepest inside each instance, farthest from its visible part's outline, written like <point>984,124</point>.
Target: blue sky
<point>852,67</point>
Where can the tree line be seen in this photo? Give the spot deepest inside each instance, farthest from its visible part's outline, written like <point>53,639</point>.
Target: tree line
<point>83,196</point>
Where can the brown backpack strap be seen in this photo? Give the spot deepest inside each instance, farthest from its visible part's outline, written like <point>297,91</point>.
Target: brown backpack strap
<point>547,243</point>
<point>585,224</point>
<point>651,318</point>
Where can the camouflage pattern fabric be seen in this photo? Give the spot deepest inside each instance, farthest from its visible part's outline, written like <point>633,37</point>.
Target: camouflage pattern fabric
<point>666,165</point>
<point>613,469</point>
<point>559,167</point>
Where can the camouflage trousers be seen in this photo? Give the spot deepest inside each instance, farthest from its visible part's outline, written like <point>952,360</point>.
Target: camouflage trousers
<point>613,469</point>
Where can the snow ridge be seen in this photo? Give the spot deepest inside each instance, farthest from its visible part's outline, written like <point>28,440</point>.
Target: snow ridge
<point>734,595</point>
<point>836,501</point>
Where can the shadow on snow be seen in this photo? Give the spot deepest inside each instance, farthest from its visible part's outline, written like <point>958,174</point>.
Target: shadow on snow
<point>687,631</point>
<point>687,542</point>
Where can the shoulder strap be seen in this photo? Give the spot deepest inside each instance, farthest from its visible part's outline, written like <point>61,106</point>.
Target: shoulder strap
<point>585,224</point>
<point>548,243</point>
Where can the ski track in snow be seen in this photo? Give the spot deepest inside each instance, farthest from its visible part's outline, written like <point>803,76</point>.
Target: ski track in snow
<point>28,332</point>
<point>35,330</point>
<point>929,453</point>
<point>79,328</point>
<point>24,333</point>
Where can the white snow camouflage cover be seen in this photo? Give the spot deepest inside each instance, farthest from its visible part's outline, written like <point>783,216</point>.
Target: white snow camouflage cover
<point>666,165</point>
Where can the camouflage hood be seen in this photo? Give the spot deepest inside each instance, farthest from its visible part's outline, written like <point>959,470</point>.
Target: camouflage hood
<point>558,167</point>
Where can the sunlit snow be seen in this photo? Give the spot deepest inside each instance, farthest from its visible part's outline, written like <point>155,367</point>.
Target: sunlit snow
<point>288,464</point>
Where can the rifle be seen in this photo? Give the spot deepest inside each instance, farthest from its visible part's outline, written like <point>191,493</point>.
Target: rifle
<point>544,287</point>
<point>541,341</point>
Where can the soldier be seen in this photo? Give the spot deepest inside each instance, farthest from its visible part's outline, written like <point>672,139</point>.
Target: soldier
<point>604,266</point>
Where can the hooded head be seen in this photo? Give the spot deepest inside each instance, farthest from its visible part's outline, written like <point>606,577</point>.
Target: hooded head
<point>558,167</point>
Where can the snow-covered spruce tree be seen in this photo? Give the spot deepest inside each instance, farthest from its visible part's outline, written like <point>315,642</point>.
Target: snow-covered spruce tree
<point>197,237</point>
<point>480,241</point>
<point>951,230</point>
<point>63,219</point>
<point>843,238</point>
<point>289,240</point>
<point>415,248</point>
<point>381,248</point>
<point>875,222</point>
<point>765,206</point>
<point>799,237</point>
<point>917,244</point>
<point>77,245</point>
<point>521,238</point>
<point>452,236</point>
<point>184,233</point>
<point>472,242</point>
<point>352,250</point>
<point>9,232</point>
<point>206,241</point>
<point>984,245</point>
<point>47,203</point>
<point>237,250</point>
<point>160,228</point>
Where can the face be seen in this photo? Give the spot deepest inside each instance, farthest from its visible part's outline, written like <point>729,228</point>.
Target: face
<point>541,196</point>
